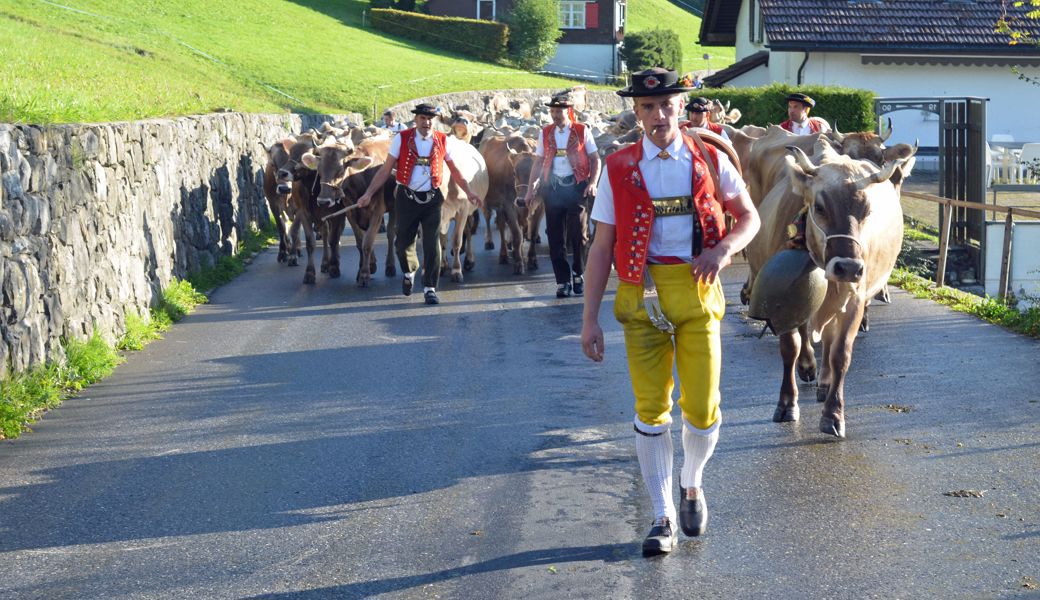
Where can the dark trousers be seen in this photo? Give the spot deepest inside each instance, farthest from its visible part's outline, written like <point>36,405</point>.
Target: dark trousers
<point>411,214</point>
<point>566,223</point>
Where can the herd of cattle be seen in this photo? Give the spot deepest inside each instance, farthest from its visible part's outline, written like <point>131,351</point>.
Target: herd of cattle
<point>849,182</point>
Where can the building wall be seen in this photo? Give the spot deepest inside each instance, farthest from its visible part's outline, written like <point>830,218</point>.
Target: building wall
<point>587,61</point>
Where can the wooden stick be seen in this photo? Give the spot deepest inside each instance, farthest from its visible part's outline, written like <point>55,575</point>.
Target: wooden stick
<point>1005,259</point>
<point>339,212</point>
<point>944,243</point>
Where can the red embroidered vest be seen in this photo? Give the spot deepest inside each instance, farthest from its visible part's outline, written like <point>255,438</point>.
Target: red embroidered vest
<point>712,127</point>
<point>409,157</point>
<point>576,154</point>
<point>634,210</point>
<point>814,125</point>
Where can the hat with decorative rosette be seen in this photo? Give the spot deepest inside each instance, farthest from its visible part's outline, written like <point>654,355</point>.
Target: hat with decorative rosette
<point>656,82</point>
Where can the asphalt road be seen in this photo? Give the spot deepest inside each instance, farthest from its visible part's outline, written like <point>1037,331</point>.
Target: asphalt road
<point>297,442</point>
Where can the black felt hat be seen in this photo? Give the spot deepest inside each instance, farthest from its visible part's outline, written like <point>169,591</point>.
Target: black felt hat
<point>428,110</point>
<point>561,100</point>
<point>655,82</point>
<point>699,104</point>
<point>804,99</point>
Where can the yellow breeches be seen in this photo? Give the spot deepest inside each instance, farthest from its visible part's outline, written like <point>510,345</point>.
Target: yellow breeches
<point>695,349</point>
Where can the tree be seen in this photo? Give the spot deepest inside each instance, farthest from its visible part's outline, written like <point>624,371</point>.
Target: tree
<point>652,48</point>
<point>1020,24</point>
<point>534,28</point>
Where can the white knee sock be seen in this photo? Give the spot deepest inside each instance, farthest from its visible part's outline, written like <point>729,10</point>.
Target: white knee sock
<point>698,445</point>
<point>654,449</point>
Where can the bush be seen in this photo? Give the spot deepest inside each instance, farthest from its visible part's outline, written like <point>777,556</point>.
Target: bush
<point>381,4</point>
<point>534,28</point>
<point>652,48</point>
<point>485,40</point>
<point>850,109</point>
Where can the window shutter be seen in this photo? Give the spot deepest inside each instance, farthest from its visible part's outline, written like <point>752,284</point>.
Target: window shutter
<point>591,15</point>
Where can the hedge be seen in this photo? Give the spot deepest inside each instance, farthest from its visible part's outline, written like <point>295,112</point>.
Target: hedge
<point>652,48</point>
<point>850,109</point>
<point>483,39</point>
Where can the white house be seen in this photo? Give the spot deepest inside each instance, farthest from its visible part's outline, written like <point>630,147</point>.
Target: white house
<point>896,48</point>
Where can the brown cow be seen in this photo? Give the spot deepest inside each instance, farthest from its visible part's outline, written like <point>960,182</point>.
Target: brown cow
<point>301,183</point>
<point>530,217</point>
<point>345,174</point>
<point>503,191</point>
<point>855,233</point>
<point>278,201</point>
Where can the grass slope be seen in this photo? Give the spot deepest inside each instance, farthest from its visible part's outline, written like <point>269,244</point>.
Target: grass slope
<point>98,60</point>
<point>652,14</point>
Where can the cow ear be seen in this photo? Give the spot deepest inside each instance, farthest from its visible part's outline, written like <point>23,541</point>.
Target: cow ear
<point>360,163</point>
<point>903,171</point>
<point>288,143</point>
<point>800,180</point>
<point>309,160</point>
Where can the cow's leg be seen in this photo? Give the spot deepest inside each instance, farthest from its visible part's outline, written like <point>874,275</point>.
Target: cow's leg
<point>368,245</point>
<point>832,419</point>
<point>469,262</point>
<point>294,236</point>
<point>489,241</point>
<point>457,238</point>
<point>355,228</point>
<point>508,239</point>
<point>323,234</point>
<point>308,233</point>
<point>787,406</point>
<point>279,222</point>
<point>807,356</point>
<point>391,240</point>
<point>534,224</point>
<point>518,241</point>
<point>333,233</point>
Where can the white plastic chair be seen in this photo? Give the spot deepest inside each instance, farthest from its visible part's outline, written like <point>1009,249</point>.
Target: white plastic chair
<point>1029,163</point>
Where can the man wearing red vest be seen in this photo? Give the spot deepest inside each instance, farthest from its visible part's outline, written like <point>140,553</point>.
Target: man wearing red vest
<point>798,120</point>
<point>567,176</point>
<point>697,118</point>
<point>660,219</point>
<point>419,155</point>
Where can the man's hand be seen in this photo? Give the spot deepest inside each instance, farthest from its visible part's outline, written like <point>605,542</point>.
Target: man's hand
<point>706,267</point>
<point>364,200</point>
<point>592,341</point>
<point>529,196</point>
<point>475,199</point>
<point>590,191</point>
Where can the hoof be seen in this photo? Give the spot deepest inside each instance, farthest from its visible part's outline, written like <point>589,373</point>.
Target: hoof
<point>334,272</point>
<point>821,393</point>
<point>324,268</point>
<point>293,262</point>
<point>468,265</point>
<point>745,297</point>
<point>391,271</point>
<point>518,268</point>
<point>864,325</point>
<point>786,414</point>
<point>538,239</point>
<point>445,270</point>
<point>489,245</point>
<point>808,374</point>
<point>363,283</point>
<point>457,277</point>
<point>832,426</point>
<point>503,259</point>
<point>282,256</point>
<point>532,265</point>
<point>308,277</point>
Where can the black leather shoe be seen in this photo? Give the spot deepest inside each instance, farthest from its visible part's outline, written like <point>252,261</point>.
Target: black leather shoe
<point>563,290</point>
<point>693,514</point>
<point>431,297</point>
<point>578,285</point>
<point>661,539</point>
<point>406,286</point>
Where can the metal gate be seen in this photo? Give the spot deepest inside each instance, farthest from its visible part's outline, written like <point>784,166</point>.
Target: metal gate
<point>962,159</point>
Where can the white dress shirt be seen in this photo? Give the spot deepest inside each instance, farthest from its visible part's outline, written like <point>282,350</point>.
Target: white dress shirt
<point>666,178</point>
<point>422,179</point>
<point>804,129</point>
<point>562,166</point>
<point>723,135</point>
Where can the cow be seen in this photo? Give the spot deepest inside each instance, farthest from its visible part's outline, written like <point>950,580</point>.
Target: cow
<point>503,191</point>
<point>458,208</point>
<point>345,174</point>
<point>301,184</point>
<point>854,232</point>
<point>278,201</point>
<point>530,217</point>
<point>870,146</point>
<point>722,115</point>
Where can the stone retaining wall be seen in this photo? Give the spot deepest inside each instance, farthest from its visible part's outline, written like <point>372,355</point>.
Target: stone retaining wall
<point>95,220</point>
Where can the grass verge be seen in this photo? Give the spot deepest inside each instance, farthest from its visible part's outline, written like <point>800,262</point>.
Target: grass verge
<point>25,396</point>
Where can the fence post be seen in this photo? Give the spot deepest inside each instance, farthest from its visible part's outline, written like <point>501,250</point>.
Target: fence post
<point>1005,258</point>
<point>944,242</point>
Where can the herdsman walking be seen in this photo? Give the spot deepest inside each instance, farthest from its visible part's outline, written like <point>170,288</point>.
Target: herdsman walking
<point>697,112</point>
<point>419,154</point>
<point>567,178</point>
<point>660,214</point>
<point>798,120</point>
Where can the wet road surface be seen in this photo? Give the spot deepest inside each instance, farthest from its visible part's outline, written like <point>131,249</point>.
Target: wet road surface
<point>298,442</point>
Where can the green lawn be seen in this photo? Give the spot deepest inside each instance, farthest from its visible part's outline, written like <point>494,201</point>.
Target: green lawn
<point>652,14</point>
<point>104,60</point>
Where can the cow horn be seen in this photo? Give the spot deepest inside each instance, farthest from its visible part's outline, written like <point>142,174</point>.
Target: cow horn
<point>727,105</point>
<point>888,133</point>
<point>802,160</point>
<point>838,136</point>
<point>884,174</point>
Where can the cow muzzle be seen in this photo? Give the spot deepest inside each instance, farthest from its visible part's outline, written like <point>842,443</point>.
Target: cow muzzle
<point>327,201</point>
<point>846,270</point>
<point>284,188</point>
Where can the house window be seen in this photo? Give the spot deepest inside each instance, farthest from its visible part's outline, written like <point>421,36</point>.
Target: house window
<point>486,10</point>
<point>572,14</point>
